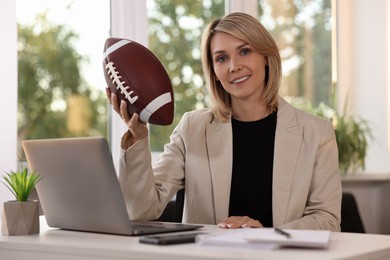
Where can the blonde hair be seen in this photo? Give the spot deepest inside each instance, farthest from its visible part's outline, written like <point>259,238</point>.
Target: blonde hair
<point>251,31</point>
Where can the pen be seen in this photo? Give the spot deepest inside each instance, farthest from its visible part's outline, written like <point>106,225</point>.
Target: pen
<point>282,232</point>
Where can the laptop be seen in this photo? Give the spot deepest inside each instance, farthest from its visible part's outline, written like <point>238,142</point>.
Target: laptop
<point>80,190</point>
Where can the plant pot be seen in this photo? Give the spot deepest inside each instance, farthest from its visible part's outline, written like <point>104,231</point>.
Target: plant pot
<point>20,218</point>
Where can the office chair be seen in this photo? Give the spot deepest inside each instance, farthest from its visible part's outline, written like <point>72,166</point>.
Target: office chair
<point>350,216</point>
<point>173,212</point>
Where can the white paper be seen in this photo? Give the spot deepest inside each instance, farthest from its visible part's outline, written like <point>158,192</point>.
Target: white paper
<point>268,238</point>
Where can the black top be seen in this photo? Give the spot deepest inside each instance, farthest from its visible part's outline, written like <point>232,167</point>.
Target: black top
<point>253,156</point>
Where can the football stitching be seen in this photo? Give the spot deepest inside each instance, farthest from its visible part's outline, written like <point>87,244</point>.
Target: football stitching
<point>114,75</point>
<point>121,85</point>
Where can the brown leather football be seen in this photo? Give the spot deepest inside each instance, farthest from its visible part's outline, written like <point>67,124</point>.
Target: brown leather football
<point>136,75</point>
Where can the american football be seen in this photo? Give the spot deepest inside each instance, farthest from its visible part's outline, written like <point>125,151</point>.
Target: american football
<point>136,75</point>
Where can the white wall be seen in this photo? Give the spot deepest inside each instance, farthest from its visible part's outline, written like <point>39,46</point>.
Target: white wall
<point>8,104</point>
<point>371,79</point>
<point>363,71</point>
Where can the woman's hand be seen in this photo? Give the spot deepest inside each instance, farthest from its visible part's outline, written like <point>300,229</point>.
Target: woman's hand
<point>240,222</point>
<point>137,128</point>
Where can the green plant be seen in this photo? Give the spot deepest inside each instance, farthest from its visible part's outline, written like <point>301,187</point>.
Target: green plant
<point>20,183</point>
<point>352,133</point>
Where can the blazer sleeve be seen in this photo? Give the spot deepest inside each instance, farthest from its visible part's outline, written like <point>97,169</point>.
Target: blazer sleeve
<point>147,189</point>
<point>136,180</point>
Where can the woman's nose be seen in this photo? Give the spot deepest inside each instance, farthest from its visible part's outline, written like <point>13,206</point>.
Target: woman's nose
<point>235,65</point>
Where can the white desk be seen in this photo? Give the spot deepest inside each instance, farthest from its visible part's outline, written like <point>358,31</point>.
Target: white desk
<point>61,244</point>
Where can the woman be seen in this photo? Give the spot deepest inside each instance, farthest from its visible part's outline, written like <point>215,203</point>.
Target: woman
<point>251,160</point>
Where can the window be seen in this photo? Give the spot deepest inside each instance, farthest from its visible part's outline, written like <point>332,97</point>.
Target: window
<point>60,79</point>
<point>302,31</point>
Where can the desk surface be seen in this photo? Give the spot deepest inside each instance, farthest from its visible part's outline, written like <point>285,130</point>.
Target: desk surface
<point>61,244</point>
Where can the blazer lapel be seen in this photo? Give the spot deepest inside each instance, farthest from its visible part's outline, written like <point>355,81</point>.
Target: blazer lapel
<point>219,148</point>
<point>288,140</point>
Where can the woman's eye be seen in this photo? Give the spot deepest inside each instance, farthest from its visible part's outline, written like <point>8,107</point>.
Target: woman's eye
<point>245,51</point>
<point>220,59</point>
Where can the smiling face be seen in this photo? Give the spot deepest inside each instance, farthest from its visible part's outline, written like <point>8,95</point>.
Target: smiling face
<point>239,68</point>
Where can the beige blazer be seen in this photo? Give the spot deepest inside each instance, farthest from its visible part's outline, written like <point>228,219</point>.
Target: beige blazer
<point>306,180</point>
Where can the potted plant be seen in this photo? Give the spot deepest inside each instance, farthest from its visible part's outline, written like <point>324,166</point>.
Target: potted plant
<point>20,216</point>
<point>352,135</point>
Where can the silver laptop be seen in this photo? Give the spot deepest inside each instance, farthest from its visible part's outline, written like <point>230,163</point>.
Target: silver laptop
<point>80,190</point>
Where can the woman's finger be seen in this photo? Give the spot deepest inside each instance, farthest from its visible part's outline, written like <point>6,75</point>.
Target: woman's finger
<point>123,112</point>
<point>240,222</point>
<point>108,94</point>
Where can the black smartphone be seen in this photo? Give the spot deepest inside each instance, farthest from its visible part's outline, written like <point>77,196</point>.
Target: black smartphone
<point>170,239</point>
